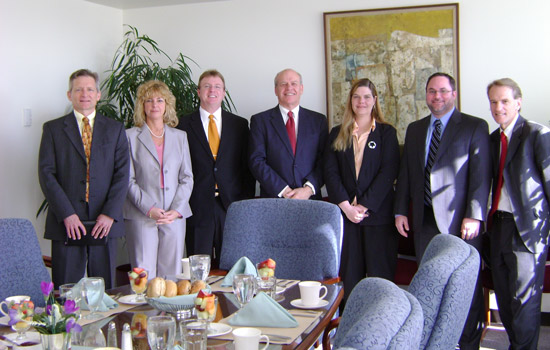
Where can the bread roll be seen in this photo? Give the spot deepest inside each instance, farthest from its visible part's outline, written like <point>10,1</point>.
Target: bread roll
<point>184,287</point>
<point>156,287</point>
<point>197,286</point>
<point>171,289</point>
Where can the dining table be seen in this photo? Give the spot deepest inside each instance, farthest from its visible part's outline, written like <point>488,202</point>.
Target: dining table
<point>317,318</point>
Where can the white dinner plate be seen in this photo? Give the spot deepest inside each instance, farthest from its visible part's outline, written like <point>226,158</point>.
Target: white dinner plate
<point>298,303</point>
<point>130,300</point>
<point>217,329</point>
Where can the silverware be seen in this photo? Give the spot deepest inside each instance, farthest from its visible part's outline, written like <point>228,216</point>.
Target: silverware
<point>304,315</point>
<point>117,296</point>
<point>277,336</point>
<point>284,283</point>
<point>214,279</point>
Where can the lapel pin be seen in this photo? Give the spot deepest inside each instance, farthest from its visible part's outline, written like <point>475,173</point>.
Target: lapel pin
<point>372,144</point>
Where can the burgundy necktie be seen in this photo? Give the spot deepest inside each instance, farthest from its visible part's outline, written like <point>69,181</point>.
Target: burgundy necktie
<point>496,196</point>
<point>291,130</point>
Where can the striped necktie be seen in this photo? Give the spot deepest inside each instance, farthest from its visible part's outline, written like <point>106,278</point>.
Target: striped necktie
<point>434,145</point>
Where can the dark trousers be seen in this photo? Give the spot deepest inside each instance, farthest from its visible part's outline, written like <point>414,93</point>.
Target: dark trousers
<point>69,263</point>
<point>206,236</point>
<point>518,277</point>
<point>367,251</point>
<point>473,328</point>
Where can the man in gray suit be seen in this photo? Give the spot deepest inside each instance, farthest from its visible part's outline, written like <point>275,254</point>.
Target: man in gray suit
<point>519,213</point>
<point>444,180</point>
<point>83,184</point>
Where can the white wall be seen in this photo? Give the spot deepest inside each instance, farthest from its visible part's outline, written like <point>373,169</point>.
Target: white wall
<point>42,43</point>
<point>249,41</point>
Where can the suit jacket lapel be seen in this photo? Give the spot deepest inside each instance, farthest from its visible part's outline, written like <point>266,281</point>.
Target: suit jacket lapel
<point>515,140</point>
<point>280,129</point>
<point>146,139</point>
<point>225,137</point>
<point>421,141</point>
<point>73,133</point>
<point>198,130</point>
<point>350,160</point>
<point>495,151</point>
<point>373,141</point>
<point>449,133</point>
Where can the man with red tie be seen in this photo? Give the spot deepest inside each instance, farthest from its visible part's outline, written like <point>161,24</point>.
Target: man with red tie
<point>287,143</point>
<point>519,215</point>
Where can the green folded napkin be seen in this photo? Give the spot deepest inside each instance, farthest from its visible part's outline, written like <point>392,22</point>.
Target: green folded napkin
<point>263,311</point>
<point>107,303</point>
<point>242,266</point>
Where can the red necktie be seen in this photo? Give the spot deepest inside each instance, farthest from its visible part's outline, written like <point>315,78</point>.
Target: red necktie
<point>291,130</point>
<point>496,196</point>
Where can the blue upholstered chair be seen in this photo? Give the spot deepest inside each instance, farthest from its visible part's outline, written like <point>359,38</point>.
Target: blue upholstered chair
<point>21,265</point>
<point>444,286</point>
<point>379,315</point>
<point>303,237</point>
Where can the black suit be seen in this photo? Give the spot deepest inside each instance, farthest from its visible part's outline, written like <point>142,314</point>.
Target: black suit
<point>519,240</point>
<point>460,184</point>
<point>62,175</point>
<point>369,247</point>
<point>229,171</point>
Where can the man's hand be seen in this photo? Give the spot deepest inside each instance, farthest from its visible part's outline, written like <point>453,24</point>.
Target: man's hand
<point>299,193</point>
<point>73,226</point>
<point>102,226</point>
<point>470,228</point>
<point>402,224</point>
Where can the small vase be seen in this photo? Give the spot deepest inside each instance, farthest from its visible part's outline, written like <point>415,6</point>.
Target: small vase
<point>60,341</point>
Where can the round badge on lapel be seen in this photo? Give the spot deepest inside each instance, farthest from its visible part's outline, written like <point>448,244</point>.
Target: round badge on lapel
<point>372,144</point>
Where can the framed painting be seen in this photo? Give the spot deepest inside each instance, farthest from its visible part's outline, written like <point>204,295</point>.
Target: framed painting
<point>397,49</point>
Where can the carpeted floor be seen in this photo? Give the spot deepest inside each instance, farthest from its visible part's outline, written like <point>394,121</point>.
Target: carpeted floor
<point>496,337</point>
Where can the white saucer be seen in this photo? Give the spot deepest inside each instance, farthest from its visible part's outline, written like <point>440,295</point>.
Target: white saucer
<point>4,320</point>
<point>217,329</point>
<point>130,300</point>
<point>182,276</point>
<point>298,303</point>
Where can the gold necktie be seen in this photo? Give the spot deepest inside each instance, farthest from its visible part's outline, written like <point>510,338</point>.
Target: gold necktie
<point>87,142</point>
<point>213,136</point>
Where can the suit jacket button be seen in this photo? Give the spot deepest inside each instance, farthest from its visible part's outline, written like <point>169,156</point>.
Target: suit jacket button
<point>215,169</point>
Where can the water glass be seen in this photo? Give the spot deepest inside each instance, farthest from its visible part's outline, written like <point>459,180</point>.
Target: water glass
<point>161,332</point>
<point>200,266</point>
<point>267,285</point>
<point>71,291</point>
<point>244,288</point>
<point>194,334</point>
<point>93,289</point>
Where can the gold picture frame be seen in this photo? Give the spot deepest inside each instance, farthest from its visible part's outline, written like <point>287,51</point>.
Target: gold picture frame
<point>397,49</point>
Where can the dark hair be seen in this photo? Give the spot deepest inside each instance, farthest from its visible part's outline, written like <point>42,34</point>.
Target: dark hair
<point>452,81</point>
<point>83,73</point>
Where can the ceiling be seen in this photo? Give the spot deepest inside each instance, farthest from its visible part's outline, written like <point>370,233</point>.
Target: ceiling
<point>134,4</point>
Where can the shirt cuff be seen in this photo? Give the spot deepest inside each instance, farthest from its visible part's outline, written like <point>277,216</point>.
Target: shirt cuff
<point>310,185</point>
<point>280,195</point>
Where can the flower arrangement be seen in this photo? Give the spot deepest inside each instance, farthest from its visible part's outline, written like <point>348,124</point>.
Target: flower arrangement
<point>56,318</point>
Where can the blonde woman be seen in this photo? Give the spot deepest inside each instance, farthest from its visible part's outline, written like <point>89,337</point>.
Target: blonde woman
<point>361,164</point>
<point>161,181</point>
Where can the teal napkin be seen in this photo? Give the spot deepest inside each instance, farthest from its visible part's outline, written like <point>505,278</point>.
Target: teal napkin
<point>263,311</point>
<point>107,303</point>
<point>242,266</point>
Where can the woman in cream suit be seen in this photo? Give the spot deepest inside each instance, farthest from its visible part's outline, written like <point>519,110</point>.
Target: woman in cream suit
<point>161,181</point>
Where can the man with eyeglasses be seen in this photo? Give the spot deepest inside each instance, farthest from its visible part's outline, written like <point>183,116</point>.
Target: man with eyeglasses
<point>444,182</point>
<point>287,144</point>
<point>218,143</point>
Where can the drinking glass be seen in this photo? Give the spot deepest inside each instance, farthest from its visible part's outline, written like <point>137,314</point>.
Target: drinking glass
<point>244,287</point>
<point>71,291</point>
<point>93,289</point>
<point>161,332</point>
<point>207,310</point>
<point>194,334</point>
<point>200,266</point>
<point>21,327</point>
<point>266,285</point>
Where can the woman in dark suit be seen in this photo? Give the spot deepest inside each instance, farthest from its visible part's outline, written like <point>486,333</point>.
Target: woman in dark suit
<point>161,181</point>
<point>360,166</point>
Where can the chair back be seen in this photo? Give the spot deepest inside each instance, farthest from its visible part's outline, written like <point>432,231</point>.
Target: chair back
<point>444,285</point>
<point>21,265</point>
<point>380,315</point>
<point>304,237</point>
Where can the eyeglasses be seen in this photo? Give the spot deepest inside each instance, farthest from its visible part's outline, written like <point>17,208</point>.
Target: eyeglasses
<point>441,92</point>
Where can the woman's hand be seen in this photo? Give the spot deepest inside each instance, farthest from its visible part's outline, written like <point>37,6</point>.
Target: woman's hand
<point>168,217</point>
<point>354,213</point>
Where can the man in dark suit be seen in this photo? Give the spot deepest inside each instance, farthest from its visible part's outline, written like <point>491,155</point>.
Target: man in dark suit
<point>83,181</point>
<point>287,143</point>
<point>519,213</point>
<point>220,172</point>
<point>445,180</point>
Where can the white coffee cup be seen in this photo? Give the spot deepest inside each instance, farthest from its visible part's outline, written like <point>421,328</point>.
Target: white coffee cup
<point>185,269</point>
<point>247,338</point>
<point>16,299</point>
<point>309,292</point>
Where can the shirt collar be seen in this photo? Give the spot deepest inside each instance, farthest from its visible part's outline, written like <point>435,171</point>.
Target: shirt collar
<point>508,131</point>
<point>205,114</point>
<point>284,112</point>
<point>444,119</point>
<point>79,116</point>
<point>356,127</point>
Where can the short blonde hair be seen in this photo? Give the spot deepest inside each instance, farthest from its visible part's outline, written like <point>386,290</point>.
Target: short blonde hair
<point>150,89</point>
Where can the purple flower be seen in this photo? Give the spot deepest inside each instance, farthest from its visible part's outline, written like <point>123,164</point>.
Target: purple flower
<point>72,325</point>
<point>14,317</point>
<point>70,307</point>
<point>46,287</point>
<point>48,310</point>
